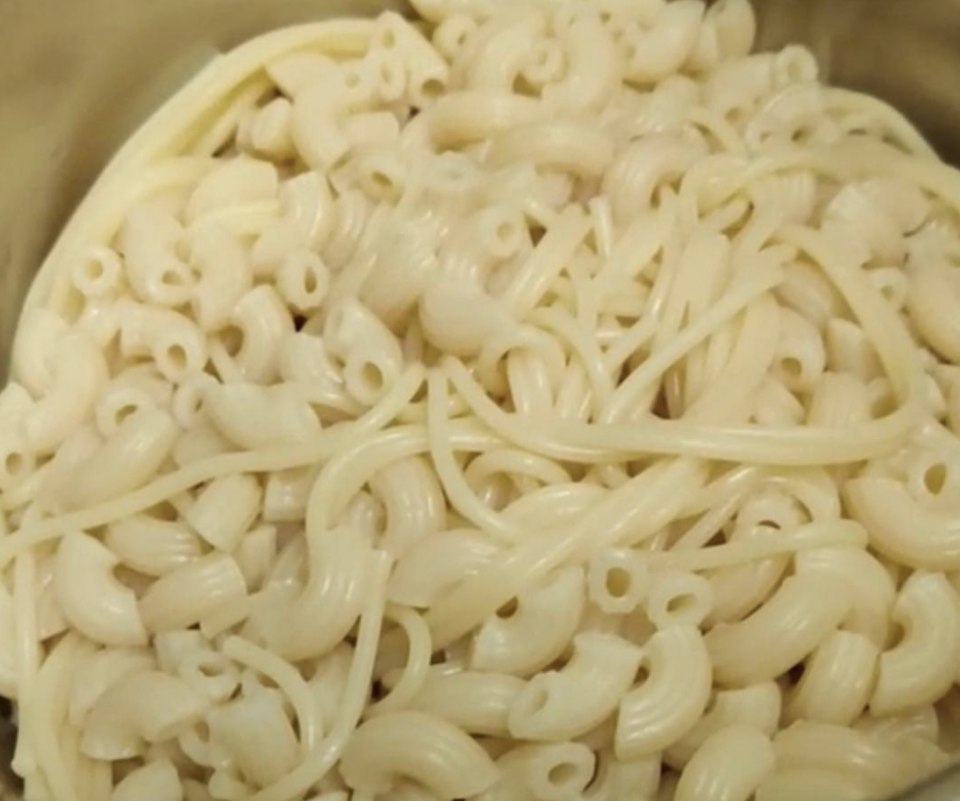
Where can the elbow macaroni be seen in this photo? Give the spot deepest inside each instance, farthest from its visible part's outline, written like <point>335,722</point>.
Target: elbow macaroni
<point>549,402</point>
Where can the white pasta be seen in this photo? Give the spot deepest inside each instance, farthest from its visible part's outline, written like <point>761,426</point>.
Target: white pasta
<point>417,746</point>
<point>224,510</point>
<point>554,705</point>
<point>157,780</point>
<point>673,697</point>
<point>93,600</point>
<point>534,401</point>
<point>730,764</point>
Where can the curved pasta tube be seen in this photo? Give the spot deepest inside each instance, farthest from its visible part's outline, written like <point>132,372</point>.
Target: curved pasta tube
<point>537,631</point>
<point>256,417</point>
<point>555,772</point>
<point>157,780</point>
<point>617,580</point>
<point>873,591</point>
<point>672,699</point>
<point>616,780</point>
<point>78,371</point>
<point>796,619</point>
<point>420,747</point>
<point>660,51</point>
<point>184,597</point>
<point>258,735</point>
<point>172,340</point>
<point>414,503</point>
<point>148,706</point>
<point>862,220</point>
<point>496,65</point>
<point>195,659</point>
<point>303,281</point>
<point>235,182</point>
<point>934,306</point>
<point>314,621</point>
<point>265,322</point>
<point>577,149</point>
<point>89,595</point>
<point>677,598</point>
<point>757,706</point>
<point>17,462</point>
<point>478,703</point>
<point>406,265</point>
<point>151,546</point>
<point>902,529</point>
<point>37,340</point>
<point>307,221</point>
<point>565,704</point>
<point>849,350</point>
<point>148,242</point>
<point>922,723</point>
<point>319,105</point>
<point>640,168</point>
<point>881,766</point>
<point>461,118</point>
<point>802,784</point>
<point>225,509</point>
<point>98,672</point>
<point>593,68</point>
<point>923,666</point>
<point>372,356</point>
<point>426,71</point>
<point>800,359</point>
<point>437,563</point>
<point>460,318</point>
<point>729,766</point>
<point>225,276</point>
<point>839,400</point>
<point>837,681</point>
<point>122,463</point>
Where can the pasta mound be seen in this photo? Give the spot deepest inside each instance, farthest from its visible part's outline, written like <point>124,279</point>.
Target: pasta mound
<point>534,401</point>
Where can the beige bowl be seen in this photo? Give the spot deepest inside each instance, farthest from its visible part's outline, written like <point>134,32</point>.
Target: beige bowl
<point>77,76</point>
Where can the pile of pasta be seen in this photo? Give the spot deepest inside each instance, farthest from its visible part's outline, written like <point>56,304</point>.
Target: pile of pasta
<point>534,401</point>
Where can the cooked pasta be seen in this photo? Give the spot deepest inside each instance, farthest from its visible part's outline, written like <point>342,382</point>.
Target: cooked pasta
<point>532,401</point>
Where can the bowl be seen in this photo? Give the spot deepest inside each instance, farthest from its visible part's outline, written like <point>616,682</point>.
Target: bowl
<point>78,76</point>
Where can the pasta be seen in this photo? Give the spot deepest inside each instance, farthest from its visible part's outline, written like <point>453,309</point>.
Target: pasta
<point>527,402</point>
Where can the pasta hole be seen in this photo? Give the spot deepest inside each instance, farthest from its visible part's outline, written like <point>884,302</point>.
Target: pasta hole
<point>125,411</point>
<point>643,674</point>
<point>211,669</point>
<point>792,367</point>
<point>505,232</point>
<point>935,478</point>
<point>173,278</point>
<point>372,376</point>
<point>177,357</point>
<point>509,609</point>
<point>562,774</point>
<point>618,582</point>
<point>431,89</point>
<point>382,181</point>
<point>681,604</point>
<point>14,464</point>
<point>898,633</point>
<point>232,339</point>
<point>93,270</point>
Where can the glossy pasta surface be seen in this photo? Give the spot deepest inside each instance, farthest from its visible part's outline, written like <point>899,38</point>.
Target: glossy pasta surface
<point>544,400</point>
